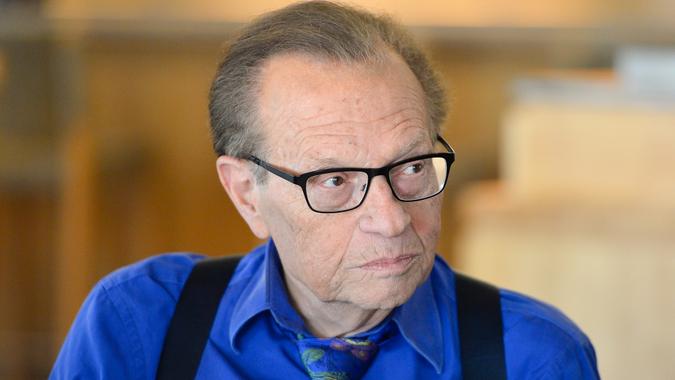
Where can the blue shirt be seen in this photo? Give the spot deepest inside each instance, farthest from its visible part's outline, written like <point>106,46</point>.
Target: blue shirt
<point>119,331</point>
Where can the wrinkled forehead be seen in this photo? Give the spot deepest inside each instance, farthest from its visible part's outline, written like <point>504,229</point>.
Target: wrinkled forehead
<point>315,109</point>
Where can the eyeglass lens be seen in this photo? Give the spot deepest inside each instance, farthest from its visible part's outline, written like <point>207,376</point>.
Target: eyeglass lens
<point>344,190</point>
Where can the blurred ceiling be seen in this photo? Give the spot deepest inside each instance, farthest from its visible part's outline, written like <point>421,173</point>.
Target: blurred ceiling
<point>485,13</point>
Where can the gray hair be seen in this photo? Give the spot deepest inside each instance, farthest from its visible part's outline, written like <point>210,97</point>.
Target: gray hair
<point>319,28</point>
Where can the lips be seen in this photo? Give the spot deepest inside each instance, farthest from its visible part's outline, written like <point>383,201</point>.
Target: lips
<point>396,264</point>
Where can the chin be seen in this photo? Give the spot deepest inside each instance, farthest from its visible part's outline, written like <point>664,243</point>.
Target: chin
<point>388,303</point>
<point>390,298</point>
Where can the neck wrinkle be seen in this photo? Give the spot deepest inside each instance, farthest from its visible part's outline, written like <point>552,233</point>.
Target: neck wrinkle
<point>331,319</point>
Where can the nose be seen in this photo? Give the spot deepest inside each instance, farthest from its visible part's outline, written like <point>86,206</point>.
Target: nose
<point>383,214</point>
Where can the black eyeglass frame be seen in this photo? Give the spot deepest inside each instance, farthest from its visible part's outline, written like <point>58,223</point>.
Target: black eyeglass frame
<point>301,180</point>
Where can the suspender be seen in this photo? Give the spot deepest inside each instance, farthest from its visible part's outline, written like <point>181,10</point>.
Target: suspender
<point>479,317</point>
<point>478,307</point>
<point>191,323</point>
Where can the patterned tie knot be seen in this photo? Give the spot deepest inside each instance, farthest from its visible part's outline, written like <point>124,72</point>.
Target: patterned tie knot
<point>336,358</point>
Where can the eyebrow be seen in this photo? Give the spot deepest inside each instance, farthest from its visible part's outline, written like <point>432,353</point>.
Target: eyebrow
<point>327,163</point>
<point>412,146</point>
<point>330,162</point>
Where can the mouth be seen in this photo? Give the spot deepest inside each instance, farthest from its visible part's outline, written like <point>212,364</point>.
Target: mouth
<point>396,265</point>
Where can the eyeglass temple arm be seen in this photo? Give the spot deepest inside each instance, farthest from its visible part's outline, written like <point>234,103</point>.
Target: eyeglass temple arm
<point>445,144</point>
<point>272,169</point>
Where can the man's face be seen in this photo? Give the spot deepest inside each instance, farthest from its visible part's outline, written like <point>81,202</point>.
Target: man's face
<point>319,114</point>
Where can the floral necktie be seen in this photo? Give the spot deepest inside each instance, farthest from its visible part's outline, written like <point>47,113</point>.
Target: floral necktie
<point>336,358</point>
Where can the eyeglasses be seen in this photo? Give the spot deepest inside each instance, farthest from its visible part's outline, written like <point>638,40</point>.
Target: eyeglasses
<point>342,189</point>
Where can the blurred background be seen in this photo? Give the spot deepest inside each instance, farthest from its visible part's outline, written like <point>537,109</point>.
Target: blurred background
<point>562,116</point>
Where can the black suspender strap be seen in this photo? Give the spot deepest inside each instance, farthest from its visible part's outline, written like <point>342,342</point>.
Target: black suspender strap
<point>478,308</point>
<point>480,330</point>
<point>196,309</point>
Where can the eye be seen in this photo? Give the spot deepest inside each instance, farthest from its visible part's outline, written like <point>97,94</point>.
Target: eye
<point>413,168</point>
<point>333,181</point>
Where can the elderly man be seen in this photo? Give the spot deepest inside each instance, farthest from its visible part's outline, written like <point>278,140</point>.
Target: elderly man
<point>326,123</point>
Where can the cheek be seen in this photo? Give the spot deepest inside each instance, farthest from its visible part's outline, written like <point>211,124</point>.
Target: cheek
<point>322,253</point>
<point>311,245</point>
<point>426,222</point>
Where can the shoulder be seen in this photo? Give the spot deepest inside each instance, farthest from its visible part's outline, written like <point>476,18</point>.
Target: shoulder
<point>523,312</point>
<point>540,341</point>
<point>119,331</point>
<point>119,328</point>
<point>162,270</point>
<point>148,290</point>
<point>543,342</point>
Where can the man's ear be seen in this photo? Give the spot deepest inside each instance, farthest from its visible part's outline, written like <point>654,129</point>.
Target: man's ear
<point>240,184</point>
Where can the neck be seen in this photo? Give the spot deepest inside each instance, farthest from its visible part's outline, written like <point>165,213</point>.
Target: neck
<point>334,318</point>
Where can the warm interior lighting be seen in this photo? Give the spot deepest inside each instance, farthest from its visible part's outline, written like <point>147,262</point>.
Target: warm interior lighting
<point>482,13</point>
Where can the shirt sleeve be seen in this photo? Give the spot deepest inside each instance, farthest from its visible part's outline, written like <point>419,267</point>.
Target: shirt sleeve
<point>103,342</point>
<point>542,343</point>
<point>578,361</point>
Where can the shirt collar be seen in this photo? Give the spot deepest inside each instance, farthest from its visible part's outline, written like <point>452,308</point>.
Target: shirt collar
<point>420,324</point>
<point>267,292</point>
<point>418,319</point>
